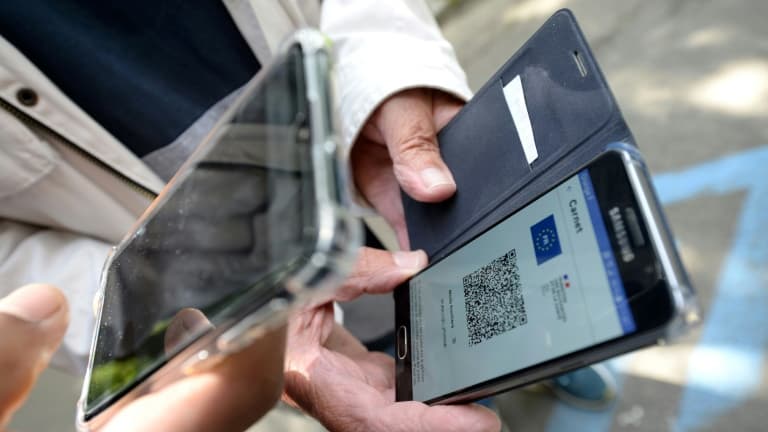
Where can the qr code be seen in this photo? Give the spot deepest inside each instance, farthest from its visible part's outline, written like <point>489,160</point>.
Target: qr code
<point>493,298</point>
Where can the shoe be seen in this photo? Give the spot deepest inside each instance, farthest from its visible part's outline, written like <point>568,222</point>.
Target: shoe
<point>591,388</point>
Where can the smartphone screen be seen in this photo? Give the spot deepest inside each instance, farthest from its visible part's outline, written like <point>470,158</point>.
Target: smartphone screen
<point>217,241</point>
<point>562,274</point>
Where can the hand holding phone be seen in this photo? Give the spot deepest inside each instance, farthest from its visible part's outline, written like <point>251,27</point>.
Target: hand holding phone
<point>252,226</point>
<point>554,252</point>
<point>33,320</point>
<point>333,377</point>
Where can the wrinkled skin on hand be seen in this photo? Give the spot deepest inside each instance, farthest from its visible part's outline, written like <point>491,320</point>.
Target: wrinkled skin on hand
<point>329,373</point>
<point>333,377</point>
<point>398,148</point>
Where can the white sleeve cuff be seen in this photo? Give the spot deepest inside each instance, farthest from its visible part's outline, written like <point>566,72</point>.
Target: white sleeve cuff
<point>370,73</point>
<point>383,48</point>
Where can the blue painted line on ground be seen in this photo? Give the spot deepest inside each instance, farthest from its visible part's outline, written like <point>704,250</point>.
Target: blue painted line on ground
<point>745,170</point>
<point>726,365</point>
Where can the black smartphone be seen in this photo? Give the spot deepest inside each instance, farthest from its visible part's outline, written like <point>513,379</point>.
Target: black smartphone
<point>586,271</point>
<point>254,224</point>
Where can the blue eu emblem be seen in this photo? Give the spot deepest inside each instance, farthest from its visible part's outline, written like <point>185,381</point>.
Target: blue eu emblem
<point>546,244</point>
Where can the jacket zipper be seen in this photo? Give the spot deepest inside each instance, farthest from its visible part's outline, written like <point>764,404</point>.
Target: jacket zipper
<point>37,126</point>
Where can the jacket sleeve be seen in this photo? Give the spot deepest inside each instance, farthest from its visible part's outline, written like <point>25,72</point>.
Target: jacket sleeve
<point>383,47</point>
<point>29,254</point>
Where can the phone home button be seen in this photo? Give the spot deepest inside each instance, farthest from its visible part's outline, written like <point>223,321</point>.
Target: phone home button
<point>402,342</point>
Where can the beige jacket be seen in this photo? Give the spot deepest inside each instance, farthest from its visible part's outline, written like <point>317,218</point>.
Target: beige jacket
<point>69,190</point>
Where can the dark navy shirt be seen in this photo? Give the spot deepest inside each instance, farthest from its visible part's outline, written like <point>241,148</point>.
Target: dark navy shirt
<point>144,69</point>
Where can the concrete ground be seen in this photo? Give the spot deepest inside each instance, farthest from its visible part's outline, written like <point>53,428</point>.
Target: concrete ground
<point>692,80</point>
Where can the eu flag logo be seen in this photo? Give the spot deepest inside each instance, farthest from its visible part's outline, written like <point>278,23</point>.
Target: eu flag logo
<point>546,244</point>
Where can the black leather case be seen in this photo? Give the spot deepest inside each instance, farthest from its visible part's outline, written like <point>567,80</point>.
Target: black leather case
<point>573,115</point>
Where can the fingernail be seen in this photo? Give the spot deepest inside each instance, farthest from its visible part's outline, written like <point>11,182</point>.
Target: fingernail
<point>434,178</point>
<point>32,303</point>
<point>409,260</point>
<point>193,320</point>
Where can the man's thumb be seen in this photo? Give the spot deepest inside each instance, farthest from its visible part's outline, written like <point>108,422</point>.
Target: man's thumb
<point>406,122</point>
<point>33,320</point>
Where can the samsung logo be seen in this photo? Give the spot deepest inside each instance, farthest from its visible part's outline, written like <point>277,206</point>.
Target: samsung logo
<point>622,238</point>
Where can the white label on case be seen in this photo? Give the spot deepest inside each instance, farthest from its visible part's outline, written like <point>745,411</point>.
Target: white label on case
<point>513,94</point>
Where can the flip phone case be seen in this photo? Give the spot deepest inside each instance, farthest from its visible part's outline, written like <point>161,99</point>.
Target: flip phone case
<point>550,94</point>
<point>573,116</point>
